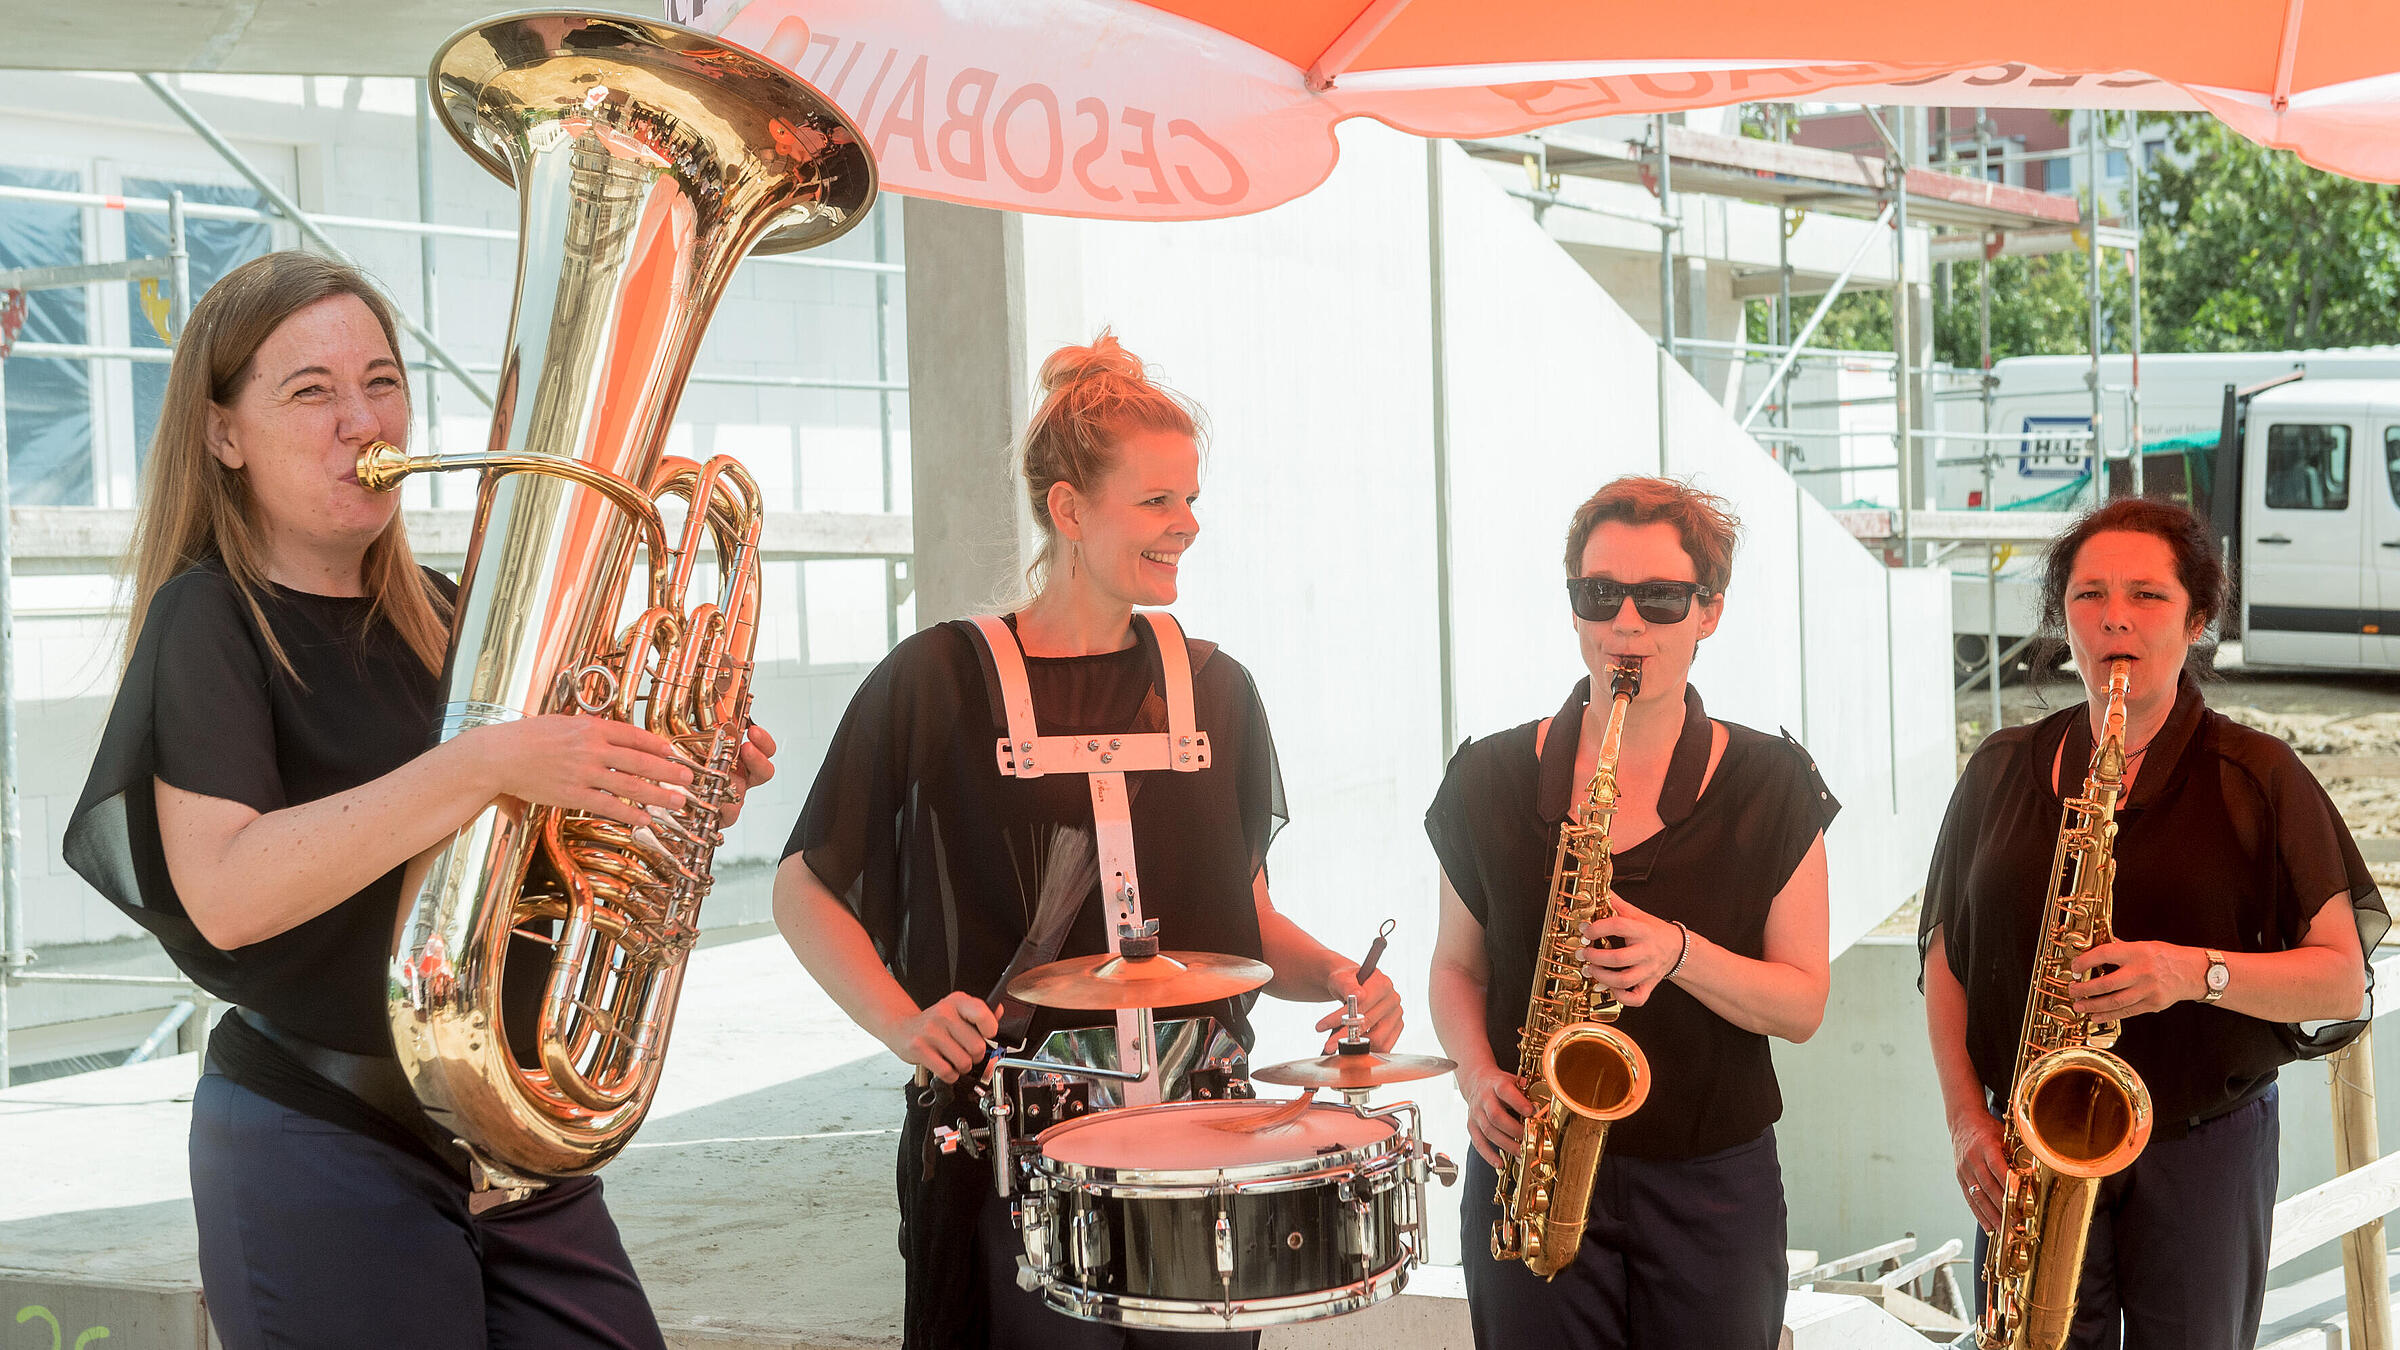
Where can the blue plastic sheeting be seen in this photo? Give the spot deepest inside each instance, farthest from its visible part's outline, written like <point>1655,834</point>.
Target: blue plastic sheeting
<point>216,246</point>
<point>49,408</point>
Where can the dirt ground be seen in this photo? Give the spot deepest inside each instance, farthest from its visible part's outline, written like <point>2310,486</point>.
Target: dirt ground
<point>2316,712</point>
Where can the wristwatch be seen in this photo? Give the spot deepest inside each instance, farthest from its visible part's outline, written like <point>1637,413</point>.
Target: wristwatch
<point>2218,976</point>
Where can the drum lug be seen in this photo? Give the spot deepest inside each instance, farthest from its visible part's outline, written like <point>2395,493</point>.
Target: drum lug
<point>1444,1170</point>
<point>1033,1220</point>
<point>1087,1242</point>
<point>1224,1247</point>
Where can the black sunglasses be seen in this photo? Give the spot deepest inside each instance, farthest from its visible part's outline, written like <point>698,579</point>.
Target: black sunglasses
<point>1598,599</point>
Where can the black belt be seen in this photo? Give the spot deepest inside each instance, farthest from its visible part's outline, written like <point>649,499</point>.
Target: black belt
<point>377,1082</point>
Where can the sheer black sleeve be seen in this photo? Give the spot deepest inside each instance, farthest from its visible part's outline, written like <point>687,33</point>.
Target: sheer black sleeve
<point>1451,828</point>
<point>192,710</point>
<point>1944,901</point>
<point>849,832</point>
<point>2316,861</point>
<point>214,730</point>
<point>1264,811</point>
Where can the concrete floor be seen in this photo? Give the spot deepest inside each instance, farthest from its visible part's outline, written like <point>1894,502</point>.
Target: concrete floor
<point>756,1202</point>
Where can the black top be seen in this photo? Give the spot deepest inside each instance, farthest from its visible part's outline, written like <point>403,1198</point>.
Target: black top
<point>2225,842</point>
<point>205,707</point>
<point>911,823</point>
<point>1717,865</point>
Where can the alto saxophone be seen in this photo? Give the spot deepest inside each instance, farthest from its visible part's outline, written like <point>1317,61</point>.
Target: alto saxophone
<point>2076,1113</point>
<point>1578,1072</point>
<point>648,159</point>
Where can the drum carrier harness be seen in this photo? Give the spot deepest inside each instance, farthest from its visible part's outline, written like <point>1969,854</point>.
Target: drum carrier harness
<point>1069,1061</point>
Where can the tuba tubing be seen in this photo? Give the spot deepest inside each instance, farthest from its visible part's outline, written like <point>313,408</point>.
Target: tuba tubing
<point>649,160</point>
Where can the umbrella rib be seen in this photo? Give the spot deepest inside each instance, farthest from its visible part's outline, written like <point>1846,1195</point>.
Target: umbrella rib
<point>2289,53</point>
<point>1363,29</point>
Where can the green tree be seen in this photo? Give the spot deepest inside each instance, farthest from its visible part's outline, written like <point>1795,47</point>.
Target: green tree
<point>2247,248</point>
<point>2243,249</point>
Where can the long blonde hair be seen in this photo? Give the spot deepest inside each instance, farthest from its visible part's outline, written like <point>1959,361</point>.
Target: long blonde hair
<point>195,508</point>
<point>1091,397</point>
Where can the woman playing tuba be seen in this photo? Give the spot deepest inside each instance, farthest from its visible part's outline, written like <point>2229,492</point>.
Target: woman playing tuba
<point>263,781</point>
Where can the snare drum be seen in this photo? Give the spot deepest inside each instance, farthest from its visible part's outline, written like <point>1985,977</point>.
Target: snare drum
<point>1151,1217</point>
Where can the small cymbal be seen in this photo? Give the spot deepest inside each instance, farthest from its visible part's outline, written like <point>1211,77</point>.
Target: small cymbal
<point>1167,980</point>
<point>1351,1073</point>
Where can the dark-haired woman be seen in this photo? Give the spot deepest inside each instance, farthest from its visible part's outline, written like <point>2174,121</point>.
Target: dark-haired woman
<point>262,783</point>
<point>1720,929</point>
<point>2242,909</point>
<point>910,880</point>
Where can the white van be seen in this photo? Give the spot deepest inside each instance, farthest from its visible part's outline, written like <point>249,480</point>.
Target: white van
<point>2308,516</point>
<point>2183,399</point>
<point>2316,537</point>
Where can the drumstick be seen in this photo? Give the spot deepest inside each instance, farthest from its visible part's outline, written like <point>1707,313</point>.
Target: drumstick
<point>1383,937</point>
<point>1282,1114</point>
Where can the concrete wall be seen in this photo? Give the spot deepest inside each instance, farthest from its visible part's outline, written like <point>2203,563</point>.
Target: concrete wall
<point>1305,333</point>
<point>348,147</point>
<point>1866,1152</point>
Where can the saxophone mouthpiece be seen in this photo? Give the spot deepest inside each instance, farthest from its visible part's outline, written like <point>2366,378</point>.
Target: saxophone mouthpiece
<point>1626,677</point>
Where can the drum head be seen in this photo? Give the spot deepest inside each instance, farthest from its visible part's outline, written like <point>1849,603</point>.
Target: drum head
<point>1183,1137</point>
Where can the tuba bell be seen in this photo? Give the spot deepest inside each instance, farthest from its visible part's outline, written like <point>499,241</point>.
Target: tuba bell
<point>649,159</point>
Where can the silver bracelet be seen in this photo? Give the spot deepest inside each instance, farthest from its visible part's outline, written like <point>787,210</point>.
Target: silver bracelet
<point>1685,955</point>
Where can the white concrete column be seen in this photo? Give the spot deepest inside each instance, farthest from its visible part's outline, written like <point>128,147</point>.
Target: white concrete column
<point>990,294</point>
<point>969,388</point>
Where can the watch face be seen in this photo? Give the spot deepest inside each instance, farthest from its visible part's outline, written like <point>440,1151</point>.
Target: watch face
<point>2218,976</point>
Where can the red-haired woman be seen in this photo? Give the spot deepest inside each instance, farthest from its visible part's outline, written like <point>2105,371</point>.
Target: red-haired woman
<point>909,882</point>
<point>262,783</point>
<point>2241,908</point>
<point>1720,932</point>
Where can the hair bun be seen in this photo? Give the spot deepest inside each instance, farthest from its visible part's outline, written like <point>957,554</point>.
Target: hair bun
<point>1105,358</point>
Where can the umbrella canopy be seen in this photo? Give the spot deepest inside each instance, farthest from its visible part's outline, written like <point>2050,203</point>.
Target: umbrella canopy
<point>1190,109</point>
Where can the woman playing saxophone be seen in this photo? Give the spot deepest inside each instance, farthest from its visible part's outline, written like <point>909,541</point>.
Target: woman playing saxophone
<point>1715,941</point>
<point>2239,908</point>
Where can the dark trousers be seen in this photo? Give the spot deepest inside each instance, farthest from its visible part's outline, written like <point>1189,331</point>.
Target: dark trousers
<point>1682,1255</point>
<point>313,1235</point>
<point>1021,1321</point>
<point>2177,1258</point>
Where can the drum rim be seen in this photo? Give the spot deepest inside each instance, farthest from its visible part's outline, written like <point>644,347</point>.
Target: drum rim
<point>1139,1310</point>
<point>1352,1160</point>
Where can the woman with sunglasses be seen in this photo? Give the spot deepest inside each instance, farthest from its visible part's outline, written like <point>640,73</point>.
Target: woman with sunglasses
<point>1718,942</point>
<point>2241,908</point>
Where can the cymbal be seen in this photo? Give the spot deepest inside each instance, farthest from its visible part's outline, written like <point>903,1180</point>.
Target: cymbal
<point>1353,1072</point>
<point>1167,980</point>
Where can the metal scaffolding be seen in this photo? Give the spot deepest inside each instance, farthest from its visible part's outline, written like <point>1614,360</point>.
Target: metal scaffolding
<point>1978,218</point>
<point>98,534</point>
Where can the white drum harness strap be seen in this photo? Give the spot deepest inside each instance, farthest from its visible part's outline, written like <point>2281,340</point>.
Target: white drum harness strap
<point>1105,760</point>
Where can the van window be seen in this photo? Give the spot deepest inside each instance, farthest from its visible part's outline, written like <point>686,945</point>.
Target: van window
<point>2308,467</point>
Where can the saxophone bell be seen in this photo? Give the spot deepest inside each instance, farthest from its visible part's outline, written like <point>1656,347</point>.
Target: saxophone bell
<point>2077,1113</point>
<point>1579,1073</point>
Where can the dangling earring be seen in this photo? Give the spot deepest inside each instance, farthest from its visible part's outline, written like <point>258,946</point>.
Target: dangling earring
<point>1074,559</point>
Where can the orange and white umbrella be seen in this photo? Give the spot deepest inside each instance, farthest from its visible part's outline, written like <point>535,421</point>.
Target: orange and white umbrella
<point>1186,109</point>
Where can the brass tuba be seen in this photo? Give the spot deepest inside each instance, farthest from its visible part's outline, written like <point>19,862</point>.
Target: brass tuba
<point>648,159</point>
<point>2076,1113</point>
<point>1578,1073</point>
